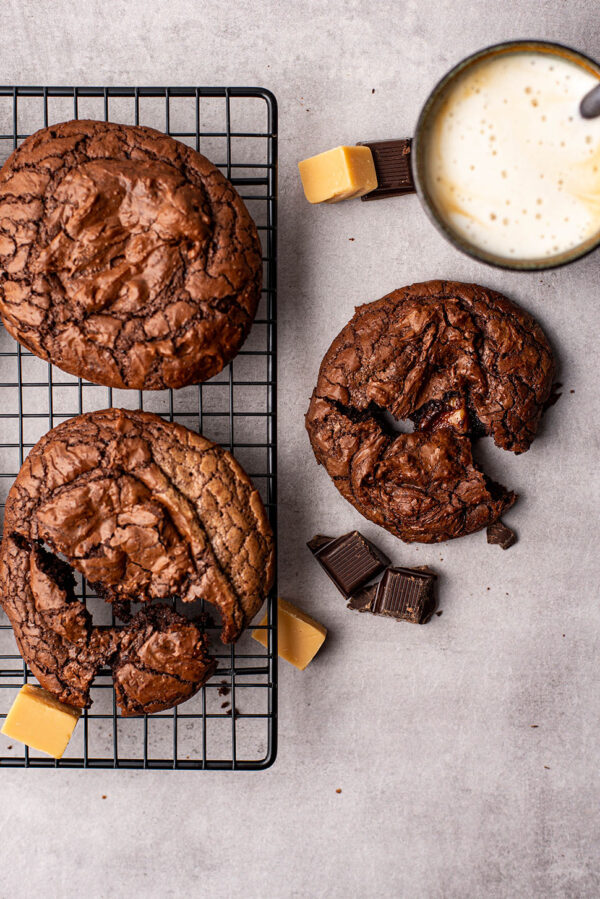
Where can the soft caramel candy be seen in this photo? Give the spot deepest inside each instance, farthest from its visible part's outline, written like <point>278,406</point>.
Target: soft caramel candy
<point>338,174</point>
<point>299,637</point>
<point>41,721</point>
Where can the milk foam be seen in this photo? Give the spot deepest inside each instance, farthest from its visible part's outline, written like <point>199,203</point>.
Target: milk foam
<point>510,164</point>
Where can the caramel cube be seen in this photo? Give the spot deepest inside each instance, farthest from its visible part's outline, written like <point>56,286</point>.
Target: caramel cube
<point>299,637</point>
<point>40,721</point>
<point>338,174</point>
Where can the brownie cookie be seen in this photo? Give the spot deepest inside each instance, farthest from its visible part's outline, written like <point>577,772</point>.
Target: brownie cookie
<point>145,510</point>
<point>125,257</point>
<point>460,361</point>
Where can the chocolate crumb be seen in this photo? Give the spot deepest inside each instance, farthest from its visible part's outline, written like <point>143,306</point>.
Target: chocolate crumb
<point>235,711</point>
<point>570,391</point>
<point>534,725</point>
<point>547,767</point>
<point>224,691</point>
<point>104,795</point>
<point>338,790</point>
<point>10,747</point>
<point>499,534</point>
<point>225,704</point>
<point>372,90</point>
<point>351,238</point>
<point>441,612</point>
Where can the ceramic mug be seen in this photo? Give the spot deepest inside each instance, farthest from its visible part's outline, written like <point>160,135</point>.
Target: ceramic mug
<point>420,146</point>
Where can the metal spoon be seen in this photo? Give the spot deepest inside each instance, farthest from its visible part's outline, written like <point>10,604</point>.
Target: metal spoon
<point>590,105</point>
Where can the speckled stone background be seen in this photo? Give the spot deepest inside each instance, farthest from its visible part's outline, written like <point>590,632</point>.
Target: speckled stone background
<point>448,788</point>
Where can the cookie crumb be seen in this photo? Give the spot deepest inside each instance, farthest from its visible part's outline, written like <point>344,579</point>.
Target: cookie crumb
<point>441,612</point>
<point>338,790</point>
<point>104,795</point>
<point>372,90</point>
<point>225,704</point>
<point>547,767</point>
<point>351,238</point>
<point>571,391</point>
<point>534,725</point>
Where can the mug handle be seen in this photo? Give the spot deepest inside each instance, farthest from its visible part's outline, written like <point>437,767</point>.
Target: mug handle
<point>392,159</point>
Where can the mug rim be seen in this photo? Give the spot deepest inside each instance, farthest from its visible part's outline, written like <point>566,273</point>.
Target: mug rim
<point>419,144</point>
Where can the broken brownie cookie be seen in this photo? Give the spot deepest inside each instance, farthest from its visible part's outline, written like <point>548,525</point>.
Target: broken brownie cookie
<point>458,360</point>
<point>145,510</point>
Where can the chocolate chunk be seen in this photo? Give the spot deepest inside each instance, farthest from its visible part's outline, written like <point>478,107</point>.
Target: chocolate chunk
<point>392,167</point>
<point>318,542</point>
<point>362,601</point>
<point>406,593</point>
<point>351,560</point>
<point>499,534</point>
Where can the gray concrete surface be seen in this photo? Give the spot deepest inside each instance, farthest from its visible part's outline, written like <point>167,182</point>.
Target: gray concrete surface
<point>448,789</point>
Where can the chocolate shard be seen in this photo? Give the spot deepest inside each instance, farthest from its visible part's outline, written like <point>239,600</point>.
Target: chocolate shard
<point>318,542</point>
<point>501,535</point>
<point>363,600</point>
<point>392,167</point>
<point>407,594</point>
<point>351,561</point>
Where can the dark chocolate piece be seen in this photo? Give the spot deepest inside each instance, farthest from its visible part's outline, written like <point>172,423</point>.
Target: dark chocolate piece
<point>406,593</point>
<point>318,542</point>
<point>392,167</point>
<point>362,601</point>
<point>499,534</point>
<point>351,560</point>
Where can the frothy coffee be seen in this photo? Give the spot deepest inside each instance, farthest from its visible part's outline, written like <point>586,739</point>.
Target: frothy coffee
<point>510,164</point>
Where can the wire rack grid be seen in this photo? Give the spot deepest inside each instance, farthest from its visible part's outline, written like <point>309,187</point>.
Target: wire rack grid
<point>231,724</point>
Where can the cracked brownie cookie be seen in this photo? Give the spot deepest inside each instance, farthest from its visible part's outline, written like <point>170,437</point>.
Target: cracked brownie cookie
<point>458,360</point>
<point>125,256</point>
<point>145,510</point>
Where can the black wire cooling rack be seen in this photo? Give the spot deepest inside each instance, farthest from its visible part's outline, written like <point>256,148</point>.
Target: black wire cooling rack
<point>231,724</point>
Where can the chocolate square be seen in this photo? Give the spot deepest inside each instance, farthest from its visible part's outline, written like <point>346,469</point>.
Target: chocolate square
<point>392,167</point>
<point>351,561</point>
<point>406,594</point>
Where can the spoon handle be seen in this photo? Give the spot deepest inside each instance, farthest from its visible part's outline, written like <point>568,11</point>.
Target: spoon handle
<point>590,105</point>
